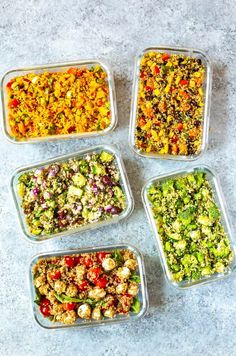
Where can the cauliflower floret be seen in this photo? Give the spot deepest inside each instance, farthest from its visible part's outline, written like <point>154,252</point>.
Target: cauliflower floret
<point>43,289</point>
<point>80,272</point>
<point>84,311</point>
<point>121,288</point>
<point>69,317</point>
<point>60,287</point>
<point>39,281</point>
<point>71,290</point>
<point>108,264</point>
<point>133,289</point>
<point>109,313</point>
<point>96,314</point>
<point>123,273</point>
<point>131,264</point>
<point>97,293</point>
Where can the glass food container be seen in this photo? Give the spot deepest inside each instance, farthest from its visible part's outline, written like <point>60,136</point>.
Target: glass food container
<point>96,149</point>
<point>206,95</point>
<point>142,296</point>
<point>57,67</point>
<point>221,204</point>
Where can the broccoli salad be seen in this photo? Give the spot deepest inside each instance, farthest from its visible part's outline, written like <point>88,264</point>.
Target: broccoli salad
<point>189,226</point>
<point>72,193</point>
<point>93,285</point>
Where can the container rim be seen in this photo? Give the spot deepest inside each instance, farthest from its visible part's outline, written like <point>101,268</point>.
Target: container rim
<point>88,249</point>
<point>222,205</point>
<point>51,65</point>
<point>124,181</point>
<point>207,103</point>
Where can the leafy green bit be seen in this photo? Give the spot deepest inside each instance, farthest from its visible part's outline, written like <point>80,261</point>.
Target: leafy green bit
<point>37,297</point>
<point>136,306</point>
<point>135,278</point>
<point>117,257</point>
<point>65,299</point>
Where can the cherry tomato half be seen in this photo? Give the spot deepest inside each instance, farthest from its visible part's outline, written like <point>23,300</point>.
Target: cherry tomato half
<point>83,286</point>
<point>70,306</point>
<point>101,282</point>
<point>88,262</point>
<point>56,275</point>
<point>101,255</point>
<point>70,261</point>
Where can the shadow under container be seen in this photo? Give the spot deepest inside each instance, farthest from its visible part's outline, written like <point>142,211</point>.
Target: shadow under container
<point>57,67</point>
<point>79,154</point>
<point>189,52</point>
<point>225,221</point>
<point>142,296</point>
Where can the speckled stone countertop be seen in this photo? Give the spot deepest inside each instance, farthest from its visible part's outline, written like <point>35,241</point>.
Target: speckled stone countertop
<point>200,321</point>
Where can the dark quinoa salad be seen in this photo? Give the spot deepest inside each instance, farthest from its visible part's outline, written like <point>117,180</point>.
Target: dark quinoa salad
<point>170,104</point>
<point>69,194</point>
<point>94,286</point>
<point>189,225</point>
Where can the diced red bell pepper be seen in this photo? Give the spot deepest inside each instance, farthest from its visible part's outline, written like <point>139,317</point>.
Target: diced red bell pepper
<point>72,71</point>
<point>156,70</point>
<point>14,103</point>
<point>183,82</point>
<point>56,275</point>
<point>165,56</point>
<point>180,126</point>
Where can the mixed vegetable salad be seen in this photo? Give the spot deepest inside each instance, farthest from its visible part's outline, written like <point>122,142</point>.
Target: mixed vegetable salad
<point>170,104</point>
<point>87,286</point>
<point>72,193</point>
<point>59,103</point>
<point>189,226</point>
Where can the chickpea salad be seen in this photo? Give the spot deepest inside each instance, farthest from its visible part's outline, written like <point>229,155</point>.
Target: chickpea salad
<point>72,193</point>
<point>59,103</point>
<point>88,286</point>
<point>189,225</point>
<point>170,104</point>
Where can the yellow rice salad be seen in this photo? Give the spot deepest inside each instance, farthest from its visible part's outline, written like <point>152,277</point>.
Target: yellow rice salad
<point>170,104</point>
<point>59,103</point>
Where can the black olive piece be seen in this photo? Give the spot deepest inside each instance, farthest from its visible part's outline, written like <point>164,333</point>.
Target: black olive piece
<point>197,123</point>
<point>199,61</point>
<point>139,129</point>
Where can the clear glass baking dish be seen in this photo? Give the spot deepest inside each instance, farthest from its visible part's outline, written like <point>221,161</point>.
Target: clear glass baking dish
<point>206,92</point>
<point>124,183</point>
<point>225,220</point>
<point>57,67</point>
<point>142,296</point>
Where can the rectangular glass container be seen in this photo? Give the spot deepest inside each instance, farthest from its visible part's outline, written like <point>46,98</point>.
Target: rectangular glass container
<point>57,67</point>
<point>123,180</point>
<point>206,92</point>
<point>220,202</point>
<point>142,296</point>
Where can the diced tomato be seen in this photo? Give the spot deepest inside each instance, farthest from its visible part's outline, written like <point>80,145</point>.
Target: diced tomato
<point>165,56</point>
<point>175,139</point>
<point>128,295</point>
<point>14,103</point>
<point>101,282</point>
<point>101,255</point>
<point>9,84</point>
<point>183,82</point>
<point>70,261</point>
<point>100,102</point>
<point>94,273</point>
<point>83,286</point>
<point>72,71</point>
<point>147,87</point>
<point>180,126</point>
<point>70,306</point>
<point>148,134</point>
<point>45,310</point>
<point>56,275</point>
<point>156,70</point>
<point>71,129</point>
<point>45,302</point>
<point>142,74</point>
<point>88,262</point>
<point>80,72</point>
<point>78,260</point>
